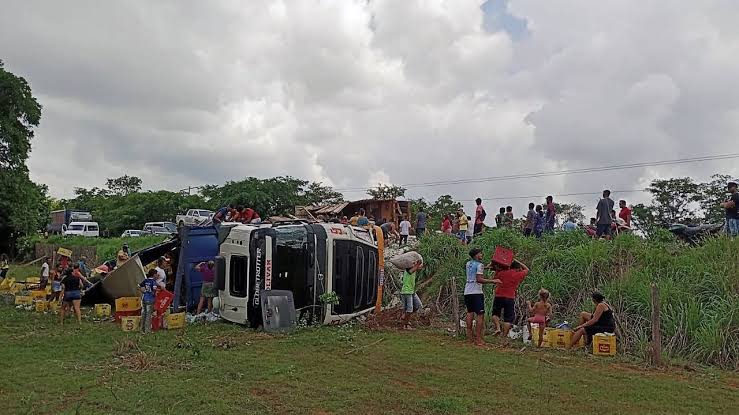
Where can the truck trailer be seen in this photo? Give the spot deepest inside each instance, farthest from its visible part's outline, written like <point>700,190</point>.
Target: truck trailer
<point>60,219</point>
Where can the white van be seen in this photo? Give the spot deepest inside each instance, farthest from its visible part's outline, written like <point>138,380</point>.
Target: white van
<point>88,229</point>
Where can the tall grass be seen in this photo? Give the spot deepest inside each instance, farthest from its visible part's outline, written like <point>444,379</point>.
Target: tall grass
<point>699,286</point>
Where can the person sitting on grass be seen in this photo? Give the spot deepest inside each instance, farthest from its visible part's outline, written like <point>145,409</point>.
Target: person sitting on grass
<point>71,295</point>
<point>474,298</point>
<point>408,297</point>
<point>148,288</point>
<point>504,303</point>
<point>541,312</point>
<point>600,321</point>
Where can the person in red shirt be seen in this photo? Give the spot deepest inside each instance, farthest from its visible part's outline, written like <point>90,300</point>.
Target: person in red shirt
<point>446,225</point>
<point>505,294</point>
<point>624,213</point>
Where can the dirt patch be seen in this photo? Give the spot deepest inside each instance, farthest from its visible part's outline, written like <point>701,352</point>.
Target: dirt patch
<point>392,318</point>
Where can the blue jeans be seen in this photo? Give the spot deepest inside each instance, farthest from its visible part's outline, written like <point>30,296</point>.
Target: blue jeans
<point>732,227</point>
<point>146,311</point>
<point>410,302</point>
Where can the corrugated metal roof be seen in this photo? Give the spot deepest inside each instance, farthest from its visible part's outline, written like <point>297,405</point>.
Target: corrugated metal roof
<point>331,209</point>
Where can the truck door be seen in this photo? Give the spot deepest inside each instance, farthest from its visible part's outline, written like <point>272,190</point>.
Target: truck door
<point>262,245</point>
<point>233,295</point>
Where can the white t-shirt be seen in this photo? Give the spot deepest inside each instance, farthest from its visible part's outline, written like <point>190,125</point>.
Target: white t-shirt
<point>161,276</point>
<point>45,271</point>
<point>405,228</point>
<point>473,268</point>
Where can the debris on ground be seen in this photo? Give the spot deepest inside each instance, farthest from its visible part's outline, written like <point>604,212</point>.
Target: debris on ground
<point>392,318</point>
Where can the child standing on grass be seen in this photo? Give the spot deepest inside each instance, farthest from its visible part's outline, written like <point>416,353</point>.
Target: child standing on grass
<point>148,288</point>
<point>541,312</point>
<point>56,284</point>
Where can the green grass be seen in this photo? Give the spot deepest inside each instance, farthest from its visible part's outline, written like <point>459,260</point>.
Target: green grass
<point>699,286</point>
<point>224,368</point>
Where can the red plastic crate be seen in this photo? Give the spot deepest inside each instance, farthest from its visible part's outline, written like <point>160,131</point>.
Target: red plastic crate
<point>503,256</point>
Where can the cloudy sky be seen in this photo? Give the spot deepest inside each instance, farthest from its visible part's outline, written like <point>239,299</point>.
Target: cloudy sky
<point>354,92</point>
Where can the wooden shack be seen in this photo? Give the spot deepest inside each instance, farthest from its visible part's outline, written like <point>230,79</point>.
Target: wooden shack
<point>389,209</point>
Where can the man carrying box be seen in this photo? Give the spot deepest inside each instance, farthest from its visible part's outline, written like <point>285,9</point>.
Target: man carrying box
<point>505,293</point>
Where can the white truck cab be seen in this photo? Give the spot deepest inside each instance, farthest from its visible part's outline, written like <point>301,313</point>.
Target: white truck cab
<point>89,229</point>
<point>308,259</point>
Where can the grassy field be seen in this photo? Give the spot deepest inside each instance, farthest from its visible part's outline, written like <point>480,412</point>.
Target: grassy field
<point>224,368</point>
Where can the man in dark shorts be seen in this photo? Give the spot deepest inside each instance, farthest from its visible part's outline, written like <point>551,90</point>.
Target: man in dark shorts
<point>732,209</point>
<point>603,216</point>
<point>480,215</point>
<point>505,294</point>
<point>474,299</point>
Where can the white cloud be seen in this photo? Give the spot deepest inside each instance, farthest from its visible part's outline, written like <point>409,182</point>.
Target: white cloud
<point>358,92</point>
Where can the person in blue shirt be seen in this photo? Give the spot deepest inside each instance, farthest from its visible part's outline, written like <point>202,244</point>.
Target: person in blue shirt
<point>362,221</point>
<point>569,225</point>
<point>540,221</point>
<point>474,298</point>
<point>148,288</point>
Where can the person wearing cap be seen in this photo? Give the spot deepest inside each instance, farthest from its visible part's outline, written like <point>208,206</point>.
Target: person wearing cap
<point>474,298</point>
<point>731,205</point>
<point>122,256</point>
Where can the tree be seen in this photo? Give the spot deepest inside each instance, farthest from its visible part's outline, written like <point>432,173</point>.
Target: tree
<point>317,194</point>
<point>674,200</point>
<point>124,185</point>
<point>570,210</point>
<point>19,114</point>
<point>21,198</point>
<point>386,191</point>
<point>712,194</point>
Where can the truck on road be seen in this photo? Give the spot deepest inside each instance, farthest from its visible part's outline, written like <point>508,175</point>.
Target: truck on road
<point>194,217</point>
<point>59,220</point>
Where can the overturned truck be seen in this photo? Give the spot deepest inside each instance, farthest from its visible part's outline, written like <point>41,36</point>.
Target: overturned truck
<point>307,259</point>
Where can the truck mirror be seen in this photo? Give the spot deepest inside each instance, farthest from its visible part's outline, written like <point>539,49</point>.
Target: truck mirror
<point>220,272</point>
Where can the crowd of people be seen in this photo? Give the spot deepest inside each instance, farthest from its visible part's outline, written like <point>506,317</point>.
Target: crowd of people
<point>236,213</point>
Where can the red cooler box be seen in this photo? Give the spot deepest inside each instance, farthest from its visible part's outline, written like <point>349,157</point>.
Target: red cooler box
<point>503,256</point>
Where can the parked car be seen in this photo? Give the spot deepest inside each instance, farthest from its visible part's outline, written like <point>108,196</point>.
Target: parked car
<point>159,231</point>
<point>130,233</point>
<point>194,217</point>
<point>161,228</point>
<point>89,229</point>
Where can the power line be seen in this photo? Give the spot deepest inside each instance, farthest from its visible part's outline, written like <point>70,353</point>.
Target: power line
<point>560,172</point>
<point>562,194</point>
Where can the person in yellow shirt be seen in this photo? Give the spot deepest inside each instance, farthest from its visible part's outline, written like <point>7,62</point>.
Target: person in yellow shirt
<point>354,219</point>
<point>463,226</point>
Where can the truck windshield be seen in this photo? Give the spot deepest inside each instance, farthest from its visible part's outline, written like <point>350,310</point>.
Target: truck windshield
<point>171,227</point>
<point>76,227</point>
<point>292,262</point>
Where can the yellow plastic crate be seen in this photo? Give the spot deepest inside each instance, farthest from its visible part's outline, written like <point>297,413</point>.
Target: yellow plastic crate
<point>102,310</point>
<point>23,300</point>
<point>130,323</point>
<point>38,294</point>
<point>604,344</point>
<point>128,304</point>
<point>175,321</point>
<point>535,335</point>
<point>6,284</point>
<point>54,306</point>
<point>40,306</point>
<point>33,280</point>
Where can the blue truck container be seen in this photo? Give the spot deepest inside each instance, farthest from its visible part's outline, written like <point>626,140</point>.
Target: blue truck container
<point>197,244</point>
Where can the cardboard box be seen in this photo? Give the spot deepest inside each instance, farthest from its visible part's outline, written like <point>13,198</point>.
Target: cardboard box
<point>604,344</point>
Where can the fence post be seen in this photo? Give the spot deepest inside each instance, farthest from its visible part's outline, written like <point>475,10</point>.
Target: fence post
<point>455,306</point>
<point>656,332</point>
